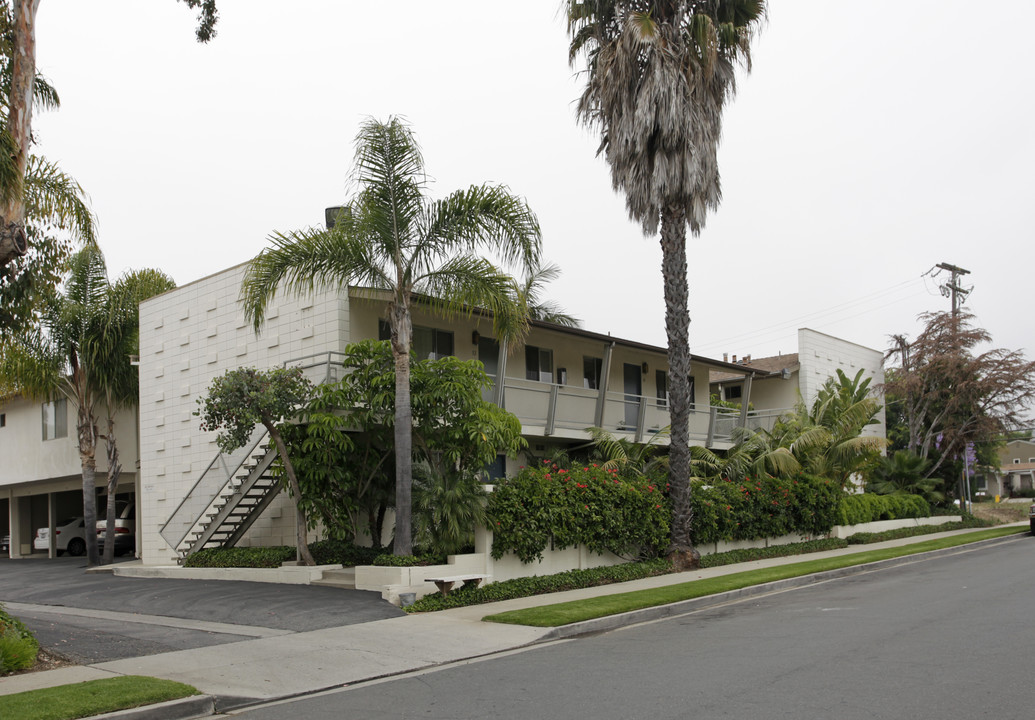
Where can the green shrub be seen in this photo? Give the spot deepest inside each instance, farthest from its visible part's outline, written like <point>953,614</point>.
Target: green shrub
<point>338,552</point>
<point>750,554</point>
<point>18,646</point>
<point>325,552</point>
<point>547,506</point>
<point>864,538</point>
<point>386,560</point>
<point>868,507</point>
<point>540,585</point>
<point>763,507</point>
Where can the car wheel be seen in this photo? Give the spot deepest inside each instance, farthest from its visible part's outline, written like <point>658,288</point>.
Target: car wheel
<point>76,547</point>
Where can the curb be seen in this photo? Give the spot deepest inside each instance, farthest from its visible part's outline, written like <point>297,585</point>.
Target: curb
<point>196,706</point>
<point>684,607</point>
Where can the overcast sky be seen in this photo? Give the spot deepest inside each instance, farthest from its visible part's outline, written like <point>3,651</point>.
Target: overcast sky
<point>870,142</point>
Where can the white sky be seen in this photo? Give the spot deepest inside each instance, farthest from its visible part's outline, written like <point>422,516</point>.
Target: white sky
<point>871,141</point>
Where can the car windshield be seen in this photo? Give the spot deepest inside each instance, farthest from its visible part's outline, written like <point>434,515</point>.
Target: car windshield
<point>68,521</point>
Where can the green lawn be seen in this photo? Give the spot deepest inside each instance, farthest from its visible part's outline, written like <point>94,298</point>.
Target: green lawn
<point>591,608</point>
<point>94,697</point>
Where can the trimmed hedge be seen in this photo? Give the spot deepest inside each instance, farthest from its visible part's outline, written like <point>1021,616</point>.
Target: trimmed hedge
<point>764,507</point>
<point>386,560</point>
<point>866,538</point>
<point>732,557</point>
<point>325,552</point>
<point>540,585</point>
<point>547,506</point>
<point>869,507</point>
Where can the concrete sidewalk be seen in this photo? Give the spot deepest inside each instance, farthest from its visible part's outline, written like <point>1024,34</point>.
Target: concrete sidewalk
<point>281,666</point>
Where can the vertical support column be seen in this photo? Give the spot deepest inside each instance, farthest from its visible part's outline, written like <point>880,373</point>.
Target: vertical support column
<point>641,419</point>
<point>605,372</point>
<point>16,514</point>
<point>745,400</point>
<point>51,520</point>
<point>713,414</point>
<point>501,374</point>
<point>551,411</point>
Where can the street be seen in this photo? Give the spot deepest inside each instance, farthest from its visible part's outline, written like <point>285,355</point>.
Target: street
<point>940,639</point>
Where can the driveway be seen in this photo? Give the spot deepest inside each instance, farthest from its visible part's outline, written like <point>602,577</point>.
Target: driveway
<point>95,617</point>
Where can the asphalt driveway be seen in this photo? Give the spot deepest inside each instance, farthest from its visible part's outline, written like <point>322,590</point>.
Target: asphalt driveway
<point>96,617</point>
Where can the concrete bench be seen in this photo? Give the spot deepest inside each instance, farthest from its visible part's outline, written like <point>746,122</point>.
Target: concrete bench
<point>445,584</point>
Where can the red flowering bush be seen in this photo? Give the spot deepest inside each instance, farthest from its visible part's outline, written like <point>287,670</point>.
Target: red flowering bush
<point>547,506</point>
<point>764,507</point>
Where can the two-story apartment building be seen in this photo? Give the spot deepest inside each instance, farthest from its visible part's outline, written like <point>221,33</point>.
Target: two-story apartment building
<point>558,382</point>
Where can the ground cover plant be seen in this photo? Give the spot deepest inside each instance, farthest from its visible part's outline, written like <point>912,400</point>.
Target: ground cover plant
<point>590,608</point>
<point>18,646</point>
<point>85,699</point>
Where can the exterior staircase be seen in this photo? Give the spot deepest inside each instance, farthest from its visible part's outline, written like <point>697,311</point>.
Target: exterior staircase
<point>237,506</point>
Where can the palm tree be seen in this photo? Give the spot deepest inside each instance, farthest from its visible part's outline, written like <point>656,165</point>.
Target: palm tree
<point>530,293</point>
<point>658,75</point>
<point>80,352</point>
<point>116,333</point>
<point>390,236</point>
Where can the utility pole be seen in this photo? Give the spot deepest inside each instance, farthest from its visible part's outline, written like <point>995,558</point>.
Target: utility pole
<point>952,289</point>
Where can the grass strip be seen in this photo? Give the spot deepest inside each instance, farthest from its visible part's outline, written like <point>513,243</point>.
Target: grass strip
<point>605,605</point>
<point>94,697</point>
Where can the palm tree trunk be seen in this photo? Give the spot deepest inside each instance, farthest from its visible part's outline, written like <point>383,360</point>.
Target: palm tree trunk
<point>114,470</point>
<point>403,456</point>
<point>86,430</point>
<point>300,523</point>
<point>677,326</point>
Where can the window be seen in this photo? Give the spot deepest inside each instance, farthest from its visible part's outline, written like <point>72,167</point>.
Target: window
<point>591,369</point>
<point>3,420</point>
<point>733,392</point>
<point>538,364</point>
<point>427,343</point>
<point>496,470</point>
<point>1016,461</point>
<point>55,419</point>
<point>661,381</point>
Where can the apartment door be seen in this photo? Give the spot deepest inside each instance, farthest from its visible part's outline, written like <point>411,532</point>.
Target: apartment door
<point>633,391</point>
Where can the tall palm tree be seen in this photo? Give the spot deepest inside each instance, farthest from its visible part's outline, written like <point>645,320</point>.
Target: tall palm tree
<point>392,237</point>
<point>80,353</point>
<point>658,75</point>
<point>115,336</point>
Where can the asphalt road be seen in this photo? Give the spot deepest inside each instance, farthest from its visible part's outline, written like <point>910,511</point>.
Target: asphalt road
<point>96,617</point>
<point>941,639</point>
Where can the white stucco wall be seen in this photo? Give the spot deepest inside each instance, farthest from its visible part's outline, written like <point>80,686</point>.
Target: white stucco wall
<point>821,356</point>
<point>188,336</point>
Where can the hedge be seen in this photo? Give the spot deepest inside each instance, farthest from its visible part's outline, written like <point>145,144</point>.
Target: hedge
<point>869,507</point>
<point>765,507</point>
<point>325,552</point>
<point>547,506</point>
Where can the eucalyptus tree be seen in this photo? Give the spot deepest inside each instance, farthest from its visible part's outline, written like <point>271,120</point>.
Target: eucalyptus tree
<point>658,75</point>
<point>80,353</point>
<point>391,236</point>
<point>18,39</point>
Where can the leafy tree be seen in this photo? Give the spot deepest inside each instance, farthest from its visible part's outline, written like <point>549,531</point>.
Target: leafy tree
<point>392,237</point>
<point>80,352</point>
<point>952,395</point>
<point>56,215</point>
<point>19,45</point>
<point>658,76</point>
<point>344,446</point>
<point>240,399</point>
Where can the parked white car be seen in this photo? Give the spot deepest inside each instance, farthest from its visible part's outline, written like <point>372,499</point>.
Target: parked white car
<point>69,536</point>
